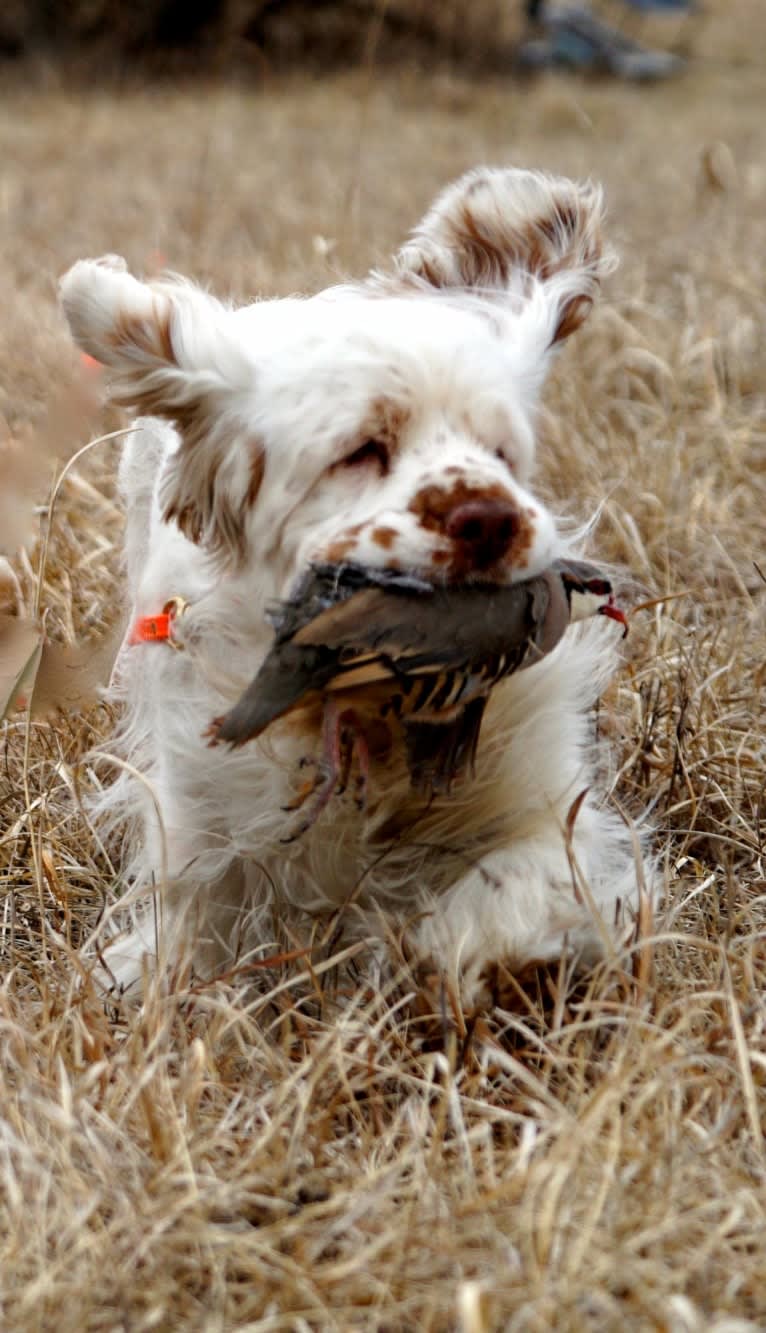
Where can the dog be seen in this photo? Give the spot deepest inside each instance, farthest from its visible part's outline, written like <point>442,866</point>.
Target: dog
<point>388,423</point>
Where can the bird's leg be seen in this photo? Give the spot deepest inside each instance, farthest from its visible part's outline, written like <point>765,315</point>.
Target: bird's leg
<point>305,790</point>
<point>342,736</point>
<point>363,779</point>
<point>308,785</point>
<point>329,768</point>
<point>352,741</point>
<point>346,739</point>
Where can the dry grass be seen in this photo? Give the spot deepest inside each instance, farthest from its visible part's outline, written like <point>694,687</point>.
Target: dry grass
<point>292,1157</point>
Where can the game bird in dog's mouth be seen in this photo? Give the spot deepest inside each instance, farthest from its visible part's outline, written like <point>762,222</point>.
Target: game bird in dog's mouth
<point>386,648</point>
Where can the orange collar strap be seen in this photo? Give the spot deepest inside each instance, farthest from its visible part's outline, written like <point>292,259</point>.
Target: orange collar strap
<point>158,628</point>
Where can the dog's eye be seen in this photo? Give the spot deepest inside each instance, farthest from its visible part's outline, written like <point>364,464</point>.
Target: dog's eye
<point>504,459</point>
<point>372,451</point>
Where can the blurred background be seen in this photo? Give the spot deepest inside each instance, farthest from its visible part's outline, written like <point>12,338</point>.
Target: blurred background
<point>170,32</point>
<point>277,33</point>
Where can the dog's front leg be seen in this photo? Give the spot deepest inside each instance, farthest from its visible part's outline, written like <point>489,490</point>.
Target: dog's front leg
<point>518,905</point>
<point>186,919</point>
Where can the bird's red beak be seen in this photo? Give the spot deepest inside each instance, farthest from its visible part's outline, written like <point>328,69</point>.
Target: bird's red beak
<point>615,613</point>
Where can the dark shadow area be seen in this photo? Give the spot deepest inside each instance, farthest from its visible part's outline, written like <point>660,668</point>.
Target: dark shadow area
<point>171,37</point>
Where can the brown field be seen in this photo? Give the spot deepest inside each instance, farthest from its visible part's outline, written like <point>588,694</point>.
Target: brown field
<point>301,1156</point>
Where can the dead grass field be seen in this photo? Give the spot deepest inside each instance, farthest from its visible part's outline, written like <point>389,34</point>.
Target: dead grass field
<point>298,1157</point>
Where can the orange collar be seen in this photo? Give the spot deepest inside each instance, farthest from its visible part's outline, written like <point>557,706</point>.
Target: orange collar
<point>158,628</point>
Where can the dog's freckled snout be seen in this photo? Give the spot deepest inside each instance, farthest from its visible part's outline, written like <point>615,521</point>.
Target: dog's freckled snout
<point>486,527</point>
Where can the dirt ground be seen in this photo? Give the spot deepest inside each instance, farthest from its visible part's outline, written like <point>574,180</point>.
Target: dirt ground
<point>297,1156</point>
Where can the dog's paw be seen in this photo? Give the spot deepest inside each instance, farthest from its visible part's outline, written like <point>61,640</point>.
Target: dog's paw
<point>123,966</point>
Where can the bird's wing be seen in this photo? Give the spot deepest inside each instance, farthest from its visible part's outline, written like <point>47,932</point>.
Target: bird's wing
<point>451,627</point>
<point>370,619</point>
<point>325,587</point>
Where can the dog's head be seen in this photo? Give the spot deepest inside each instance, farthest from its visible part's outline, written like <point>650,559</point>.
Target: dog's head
<point>389,423</point>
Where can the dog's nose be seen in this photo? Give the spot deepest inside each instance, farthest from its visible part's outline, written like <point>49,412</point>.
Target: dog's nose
<point>484,528</point>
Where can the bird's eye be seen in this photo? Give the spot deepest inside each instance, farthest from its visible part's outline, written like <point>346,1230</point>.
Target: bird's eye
<point>372,451</point>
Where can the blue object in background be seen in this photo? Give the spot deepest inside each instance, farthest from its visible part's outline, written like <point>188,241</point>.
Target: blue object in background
<point>676,6</point>
<point>570,36</point>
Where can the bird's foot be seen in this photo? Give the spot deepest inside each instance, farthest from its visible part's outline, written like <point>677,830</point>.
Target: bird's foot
<point>343,739</point>
<point>362,784</point>
<point>302,795</point>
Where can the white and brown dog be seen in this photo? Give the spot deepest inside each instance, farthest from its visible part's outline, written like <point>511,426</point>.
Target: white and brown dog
<point>390,424</point>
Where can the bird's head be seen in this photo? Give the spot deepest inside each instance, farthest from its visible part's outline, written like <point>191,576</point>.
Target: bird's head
<point>590,593</point>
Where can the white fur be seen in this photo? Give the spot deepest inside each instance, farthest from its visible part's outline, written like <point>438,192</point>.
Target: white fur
<point>264,403</point>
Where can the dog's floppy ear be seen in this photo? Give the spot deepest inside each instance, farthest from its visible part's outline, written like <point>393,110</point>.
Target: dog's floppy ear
<point>169,352</point>
<point>503,230</point>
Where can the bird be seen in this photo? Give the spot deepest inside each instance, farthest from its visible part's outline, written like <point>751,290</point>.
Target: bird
<point>378,647</point>
<point>572,36</point>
